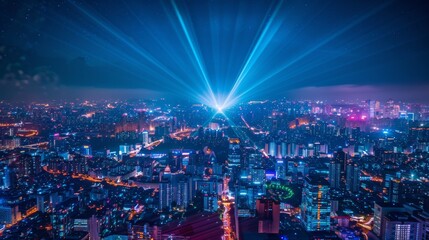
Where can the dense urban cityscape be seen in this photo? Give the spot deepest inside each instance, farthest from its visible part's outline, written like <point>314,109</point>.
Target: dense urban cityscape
<point>214,120</point>
<point>263,169</point>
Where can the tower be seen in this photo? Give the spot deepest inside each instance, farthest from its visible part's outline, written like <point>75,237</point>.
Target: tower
<point>353,178</point>
<point>334,174</point>
<point>316,205</point>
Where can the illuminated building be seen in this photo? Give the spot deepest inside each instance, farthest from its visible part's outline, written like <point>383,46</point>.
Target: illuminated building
<point>341,157</point>
<point>41,203</point>
<point>211,202</point>
<point>316,205</point>
<point>380,211</point>
<point>257,175</point>
<point>272,150</point>
<point>208,186</point>
<point>61,220</point>
<point>144,232</point>
<point>401,226</point>
<point>394,190</point>
<point>177,190</point>
<point>419,132</point>
<point>29,165</point>
<point>145,137</point>
<point>88,224</point>
<point>86,150</point>
<point>268,213</point>
<point>161,131</point>
<point>371,104</point>
<point>124,149</point>
<point>6,177</point>
<point>98,194</point>
<point>181,193</point>
<point>164,195</point>
<point>353,178</point>
<point>9,214</point>
<point>234,153</point>
<point>11,143</point>
<point>334,174</point>
<point>281,168</point>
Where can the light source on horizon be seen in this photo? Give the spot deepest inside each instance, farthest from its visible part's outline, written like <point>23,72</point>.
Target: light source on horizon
<point>219,108</point>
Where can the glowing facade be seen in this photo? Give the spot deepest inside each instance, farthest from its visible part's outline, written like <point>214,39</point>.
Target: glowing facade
<point>316,205</point>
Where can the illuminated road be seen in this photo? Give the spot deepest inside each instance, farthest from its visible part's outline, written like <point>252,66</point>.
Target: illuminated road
<point>153,144</point>
<point>227,202</point>
<point>91,179</point>
<point>176,135</point>
<point>179,135</point>
<point>35,145</point>
<point>255,131</point>
<point>27,133</point>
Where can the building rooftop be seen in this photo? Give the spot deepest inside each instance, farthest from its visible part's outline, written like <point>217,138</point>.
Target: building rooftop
<point>400,217</point>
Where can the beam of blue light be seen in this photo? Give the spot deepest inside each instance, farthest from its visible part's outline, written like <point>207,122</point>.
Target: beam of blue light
<point>343,64</point>
<point>193,46</point>
<point>191,89</point>
<point>132,46</point>
<point>356,45</point>
<point>97,42</point>
<point>308,52</point>
<point>262,42</point>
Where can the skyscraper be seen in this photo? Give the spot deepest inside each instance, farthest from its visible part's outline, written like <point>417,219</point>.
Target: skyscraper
<point>341,157</point>
<point>145,136</point>
<point>6,177</point>
<point>316,205</point>
<point>164,195</point>
<point>353,178</point>
<point>400,225</point>
<point>234,152</point>
<point>380,211</point>
<point>334,174</point>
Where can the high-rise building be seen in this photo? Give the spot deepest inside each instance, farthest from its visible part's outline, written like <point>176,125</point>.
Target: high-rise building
<point>334,174</point>
<point>6,177</point>
<point>9,214</point>
<point>371,106</point>
<point>268,212</point>
<point>341,157</point>
<point>164,195</point>
<point>145,137</point>
<point>353,178</point>
<point>234,153</point>
<point>86,150</point>
<point>394,190</point>
<point>380,211</point>
<point>41,203</point>
<point>281,168</point>
<point>401,226</point>
<point>87,224</point>
<point>272,151</point>
<point>316,205</point>
<point>211,202</point>
<point>29,165</point>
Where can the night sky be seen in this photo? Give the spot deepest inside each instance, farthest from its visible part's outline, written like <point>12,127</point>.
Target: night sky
<point>207,50</point>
